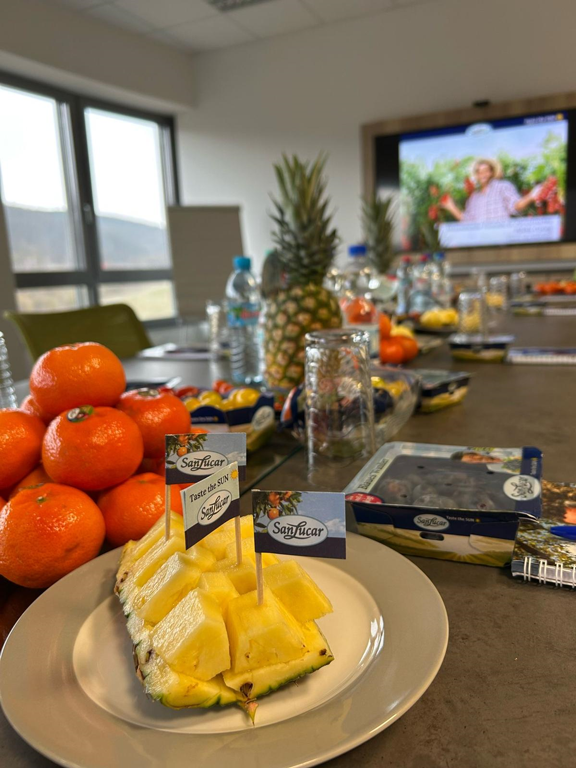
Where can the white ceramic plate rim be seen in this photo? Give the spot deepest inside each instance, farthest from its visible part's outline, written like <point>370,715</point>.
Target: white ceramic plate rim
<point>88,737</point>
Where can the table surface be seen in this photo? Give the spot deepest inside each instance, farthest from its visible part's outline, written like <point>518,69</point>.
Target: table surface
<point>504,696</point>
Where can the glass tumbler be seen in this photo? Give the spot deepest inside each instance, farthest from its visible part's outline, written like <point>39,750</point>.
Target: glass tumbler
<point>339,398</point>
<point>472,316</point>
<point>517,284</point>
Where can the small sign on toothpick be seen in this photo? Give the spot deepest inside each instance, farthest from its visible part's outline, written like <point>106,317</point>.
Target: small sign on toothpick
<point>192,457</point>
<point>210,503</point>
<point>308,524</point>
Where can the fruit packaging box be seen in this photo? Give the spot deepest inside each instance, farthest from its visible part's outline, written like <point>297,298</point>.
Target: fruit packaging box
<point>440,389</point>
<point>258,420</point>
<point>446,501</point>
<point>489,349</point>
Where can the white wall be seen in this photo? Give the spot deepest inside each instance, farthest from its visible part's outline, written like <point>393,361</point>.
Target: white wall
<point>49,42</point>
<point>312,90</point>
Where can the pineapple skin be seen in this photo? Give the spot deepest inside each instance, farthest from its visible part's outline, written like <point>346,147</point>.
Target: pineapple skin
<point>290,315</point>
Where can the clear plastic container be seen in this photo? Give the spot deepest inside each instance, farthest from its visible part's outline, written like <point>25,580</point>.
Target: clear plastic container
<point>243,311</point>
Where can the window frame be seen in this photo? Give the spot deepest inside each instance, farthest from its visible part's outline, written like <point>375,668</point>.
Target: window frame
<point>71,108</point>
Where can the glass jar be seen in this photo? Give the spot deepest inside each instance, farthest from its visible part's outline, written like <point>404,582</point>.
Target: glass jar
<point>339,399</point>
<point>472,317</point>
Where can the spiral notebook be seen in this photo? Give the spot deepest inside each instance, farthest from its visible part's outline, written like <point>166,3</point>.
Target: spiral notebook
<point>542,355</point>
<point>540,556</point>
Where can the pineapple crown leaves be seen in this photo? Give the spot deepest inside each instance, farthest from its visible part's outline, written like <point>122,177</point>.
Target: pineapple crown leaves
<point>304,236</point>
<point>377,225</point>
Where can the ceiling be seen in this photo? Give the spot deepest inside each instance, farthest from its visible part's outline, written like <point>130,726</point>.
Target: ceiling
<point>198,25</point>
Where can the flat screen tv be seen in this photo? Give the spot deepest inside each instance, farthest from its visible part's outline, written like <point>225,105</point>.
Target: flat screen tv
<point>491,183</point>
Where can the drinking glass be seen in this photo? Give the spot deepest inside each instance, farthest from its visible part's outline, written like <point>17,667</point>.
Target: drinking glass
<point>517,284</point>
<point>217,327</point>
<point>339,399</point>
<point>472,317</point>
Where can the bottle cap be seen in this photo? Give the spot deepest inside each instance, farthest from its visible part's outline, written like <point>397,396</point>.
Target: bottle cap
<point>242,262</point>
<point>357,250</point>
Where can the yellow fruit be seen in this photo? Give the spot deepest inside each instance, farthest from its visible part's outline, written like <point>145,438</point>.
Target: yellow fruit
<point>290,583</point>
<point>244,397</point>
<point>191,403</point>
<point>210,398</point>
<point>402,330</point>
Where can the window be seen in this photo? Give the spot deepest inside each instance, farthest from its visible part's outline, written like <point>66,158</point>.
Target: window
<point>85,187</point>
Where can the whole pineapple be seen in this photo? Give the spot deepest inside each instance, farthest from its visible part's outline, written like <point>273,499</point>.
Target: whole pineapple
<point>377,227</point>
<point>306,244</point>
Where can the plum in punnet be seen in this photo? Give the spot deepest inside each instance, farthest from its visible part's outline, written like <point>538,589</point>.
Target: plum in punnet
<point>423,489</point>
<point>474,500</point>
<point>395,491</point>
<point>436,501</point>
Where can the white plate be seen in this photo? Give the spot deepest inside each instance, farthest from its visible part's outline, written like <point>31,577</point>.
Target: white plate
<point>67,683</point>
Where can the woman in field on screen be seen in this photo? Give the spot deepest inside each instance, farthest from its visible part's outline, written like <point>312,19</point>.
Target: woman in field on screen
<point>496,198</point>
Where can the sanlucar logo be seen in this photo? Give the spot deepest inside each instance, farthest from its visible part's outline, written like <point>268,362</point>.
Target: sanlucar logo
<point>431,522</point>
<point>214,507</point>
<point>201,462</point>
<point>298,530</point>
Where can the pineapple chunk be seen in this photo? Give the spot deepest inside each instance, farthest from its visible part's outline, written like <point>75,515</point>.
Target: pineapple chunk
<point>247,550</point>
<point>171,582</point>
<point>192,638</point>
<point>297,591</point>
<point>261,635</point>
<point>156,556</point>
<point>258,682</point>
<point>218,540</point>
<point>156,533</point>
<point>176,690</point>
<point>219,586</point>
<point>203,558</point>
<point>243,576</point>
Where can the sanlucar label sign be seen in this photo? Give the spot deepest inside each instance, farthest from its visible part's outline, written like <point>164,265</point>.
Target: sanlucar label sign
<point>201,463</point>
<point>214,507</point>
<point>298,530</point>
<point>431,522</point>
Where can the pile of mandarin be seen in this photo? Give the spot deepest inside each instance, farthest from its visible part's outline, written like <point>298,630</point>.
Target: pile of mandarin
<point>81,461</point>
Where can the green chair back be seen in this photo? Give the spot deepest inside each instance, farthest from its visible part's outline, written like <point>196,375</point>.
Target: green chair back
<point>116,326</point>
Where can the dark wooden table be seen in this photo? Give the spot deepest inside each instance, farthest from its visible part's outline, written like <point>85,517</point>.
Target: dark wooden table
<point>504,697</point>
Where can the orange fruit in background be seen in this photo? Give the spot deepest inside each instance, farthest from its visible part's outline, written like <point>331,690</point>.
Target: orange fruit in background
<point>360,310</point>
<point>20,444</point>
<point>29,405</point>
<point>131,508</point>
<point>92,448</point>
<point>391,351</point>
<point>74,375</point>
<point>47,532</point>
<point>157,414</point>
<point>410,347</point>
<point>384,325</point>
<point>36,477</point>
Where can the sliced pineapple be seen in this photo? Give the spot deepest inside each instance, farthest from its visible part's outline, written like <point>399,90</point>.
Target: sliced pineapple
<point>218,540</point>
<point>243,576</point>
<point>252,684</point>
<point>192,638</point>
<point>202,557</point>
<point>297,591</point>
<point>219,586</point>
<point>176,690</point>
<point>261,635</point>
<point>157,532</point>
<point>171,582</point>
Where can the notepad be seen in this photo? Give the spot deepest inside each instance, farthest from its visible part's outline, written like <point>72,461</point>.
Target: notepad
<point>540,556</point>
<point>541,356</point>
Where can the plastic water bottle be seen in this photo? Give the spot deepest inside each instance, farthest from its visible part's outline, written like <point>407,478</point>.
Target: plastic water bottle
<point>7,393</point>
<point>358,277</point>
<point>243,308</point>
<point>404,278</point>
<point>421,293</point>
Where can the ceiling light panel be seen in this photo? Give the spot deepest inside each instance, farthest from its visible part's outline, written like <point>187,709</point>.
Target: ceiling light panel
<point>232,5</point>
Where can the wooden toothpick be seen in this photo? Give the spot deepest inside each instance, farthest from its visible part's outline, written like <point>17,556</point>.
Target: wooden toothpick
<point>167,511</point>
<point>259,580</point>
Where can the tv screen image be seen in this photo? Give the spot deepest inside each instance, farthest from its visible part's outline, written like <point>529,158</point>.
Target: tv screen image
<point>487,184</point>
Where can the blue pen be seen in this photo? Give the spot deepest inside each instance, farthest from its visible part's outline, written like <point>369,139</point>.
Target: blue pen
<point>566,531</point>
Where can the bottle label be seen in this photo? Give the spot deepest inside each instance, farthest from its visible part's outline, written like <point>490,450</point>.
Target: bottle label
<point>243,314</point>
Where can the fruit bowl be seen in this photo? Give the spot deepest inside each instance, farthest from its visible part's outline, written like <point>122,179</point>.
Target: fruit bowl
<point>396,393</point>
